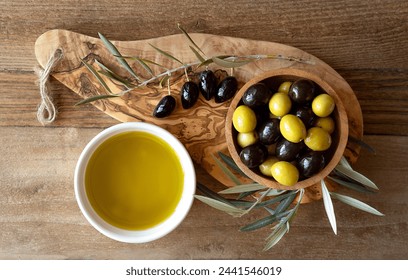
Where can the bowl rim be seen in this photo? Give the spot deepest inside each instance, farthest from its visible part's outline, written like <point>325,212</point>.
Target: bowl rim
<point>341,123</point>
<point>136,236</point>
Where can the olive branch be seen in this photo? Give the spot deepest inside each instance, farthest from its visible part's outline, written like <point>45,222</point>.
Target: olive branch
<point>277,203</point>
<point>135,80</point>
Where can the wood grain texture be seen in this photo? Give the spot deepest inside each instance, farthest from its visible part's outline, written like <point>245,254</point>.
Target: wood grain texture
<point>365,41</point>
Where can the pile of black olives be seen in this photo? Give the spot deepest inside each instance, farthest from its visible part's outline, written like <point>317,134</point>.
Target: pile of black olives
<point>285,132</point>
<point>209,87</point>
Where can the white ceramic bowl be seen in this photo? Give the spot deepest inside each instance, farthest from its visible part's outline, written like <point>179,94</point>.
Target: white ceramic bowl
<point>136,236</point>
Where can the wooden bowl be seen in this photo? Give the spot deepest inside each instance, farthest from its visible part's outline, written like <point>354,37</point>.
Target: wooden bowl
<point>339,137</point>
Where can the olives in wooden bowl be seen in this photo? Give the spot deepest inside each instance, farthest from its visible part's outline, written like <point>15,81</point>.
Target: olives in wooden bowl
<point>286,129</point>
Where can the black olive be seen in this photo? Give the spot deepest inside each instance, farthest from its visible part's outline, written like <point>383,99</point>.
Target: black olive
<point>306,115</point>
<point>269,131</point>
<point>302,91</point>
<point>189,94</point>
<point>256,95</point>
<point>253,155</point>
<point>288,151</point>
<point>226,89</point>
<point>310,163</point>
<point>262,114</point>
<point>165,106</point>
<point>207,84</point>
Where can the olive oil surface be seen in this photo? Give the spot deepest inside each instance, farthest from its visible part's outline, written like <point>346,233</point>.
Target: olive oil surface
<point>134,180</point>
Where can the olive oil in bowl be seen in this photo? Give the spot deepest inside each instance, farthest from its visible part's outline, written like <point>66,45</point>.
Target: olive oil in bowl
<point>134,180</point>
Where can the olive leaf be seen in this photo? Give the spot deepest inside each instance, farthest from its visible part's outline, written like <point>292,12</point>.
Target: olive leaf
<point>112,75</point>
<point>245,194</point>
<point>293,211</point>
<point>166,54</point>
<point>263,204</point>
<point>97,76</point>
<point>301,193</point>
<point>210,60</point>
<point>356,176</point>
<point>269,210</point>
<point>94,98</point>
<point>362,144</point>
<point>243,188</point>
<point>328,206</point>
<point>356,203</point>
<point>286,202</point>
<point>350,185</point>
<point>144,60</point>
<point>279,198</point>
<point>283,226</point>
<point>232,210</point>
<point>268,220</point>
<point>275,192</point>
<point>344,162</point>
<point>145,66</point>
<point>205,62</point>
<point>244,204</point>
<point>200,58</point>
<point>227,171</point>
<point>189,38</point>
<point>352,179</point>
<point>226,63</point>
<point>276,236</point>
<point>260,223</point>
<point>258,200</point>
<point>231,163</point>
<point>141,62</point>
<point>280,212</point>
<point>212,194</point>
<point>114,51</point>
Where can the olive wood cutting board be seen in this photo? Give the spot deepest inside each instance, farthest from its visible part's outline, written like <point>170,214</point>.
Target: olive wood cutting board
<point>200,128</point>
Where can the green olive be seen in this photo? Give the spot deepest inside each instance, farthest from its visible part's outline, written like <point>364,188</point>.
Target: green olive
<point>292,128</point>
<point>244,119</point>
<point>245,139</point>
<point>318,139</point>
<point>285,173</point>
<point>327,123</point>
<point>284,87</point>
<point>280,104</point>
<point>323,105</point>
<point>266,166</point>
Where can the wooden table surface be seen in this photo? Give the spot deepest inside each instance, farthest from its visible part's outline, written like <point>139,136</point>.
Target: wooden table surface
<point>365,41</point>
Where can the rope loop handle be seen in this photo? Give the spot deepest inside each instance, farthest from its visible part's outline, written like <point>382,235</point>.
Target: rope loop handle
<point>46,112</point>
